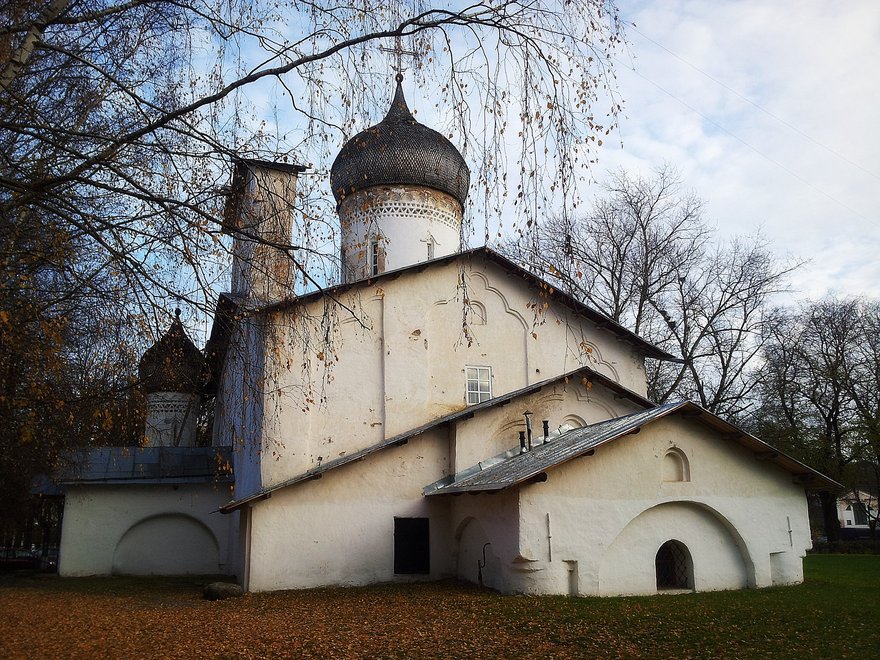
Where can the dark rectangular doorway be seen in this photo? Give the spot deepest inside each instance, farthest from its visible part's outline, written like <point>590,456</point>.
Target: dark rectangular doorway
<point>412,547</point>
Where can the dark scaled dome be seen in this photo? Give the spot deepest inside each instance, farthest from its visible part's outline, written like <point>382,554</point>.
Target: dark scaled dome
<point>399,151</point>
<point>172,364</point>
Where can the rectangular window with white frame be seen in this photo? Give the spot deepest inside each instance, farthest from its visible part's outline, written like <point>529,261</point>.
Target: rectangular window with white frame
<point>479,384</point>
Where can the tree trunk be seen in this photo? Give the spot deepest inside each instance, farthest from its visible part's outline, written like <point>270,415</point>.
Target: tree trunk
<point>829,516</point>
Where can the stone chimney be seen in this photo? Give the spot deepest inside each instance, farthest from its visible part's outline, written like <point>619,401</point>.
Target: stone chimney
<point>259,216</point>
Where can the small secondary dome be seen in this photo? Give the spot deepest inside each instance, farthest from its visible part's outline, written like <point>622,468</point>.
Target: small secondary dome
<point>172,364</point>
<point>399,150</point>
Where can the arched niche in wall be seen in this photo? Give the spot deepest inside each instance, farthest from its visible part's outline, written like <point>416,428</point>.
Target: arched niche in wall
<point>167,544</point>
<point>476,313</point>
<point>675,466</point>
<point>475,558</point>
<point>574,421</point>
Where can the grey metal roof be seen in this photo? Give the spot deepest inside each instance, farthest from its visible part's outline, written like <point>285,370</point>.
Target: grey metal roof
<point>399,150</point>
<point>565,447</point>
<point>464,413</point>
<point>531,465</point>
<point>117,465</point>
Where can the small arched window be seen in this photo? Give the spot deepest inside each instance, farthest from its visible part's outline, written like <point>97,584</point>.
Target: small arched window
<point>673,566</point>
<point>675,466</point>
<point>477,313</point>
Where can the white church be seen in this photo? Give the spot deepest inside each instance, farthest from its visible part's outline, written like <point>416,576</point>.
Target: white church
<point>439,413</point>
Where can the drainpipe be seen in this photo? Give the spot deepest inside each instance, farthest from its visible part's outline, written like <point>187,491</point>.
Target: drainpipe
<point>522,442</point>
<point>546,424</point>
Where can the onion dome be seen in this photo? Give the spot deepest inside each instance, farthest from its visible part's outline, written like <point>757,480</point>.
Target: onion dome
<point>399,151</point>
<point>172,364</point>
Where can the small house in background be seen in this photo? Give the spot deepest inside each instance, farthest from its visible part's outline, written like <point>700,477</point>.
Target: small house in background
<point>858,514</point>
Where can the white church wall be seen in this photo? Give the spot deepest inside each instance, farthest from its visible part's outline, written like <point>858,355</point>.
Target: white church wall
<point>479,520</point>
<point>339,529</point>
<point>144,529</point>
<point>610,512</point>
<point>496,430</point>
<point>401,362</point>
<point>595,526</point>
<point>550,337</point>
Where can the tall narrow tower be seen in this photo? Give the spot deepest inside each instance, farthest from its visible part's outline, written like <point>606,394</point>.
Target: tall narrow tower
<point>400,188</point>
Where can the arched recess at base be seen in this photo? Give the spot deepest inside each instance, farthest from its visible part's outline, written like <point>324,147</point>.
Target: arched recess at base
<point>476,561</point>
<point>167,544</point>
<point>717,553</point>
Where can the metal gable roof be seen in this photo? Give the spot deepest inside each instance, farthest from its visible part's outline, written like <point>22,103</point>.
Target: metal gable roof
<point>530,466</point>
<point>146,465</point>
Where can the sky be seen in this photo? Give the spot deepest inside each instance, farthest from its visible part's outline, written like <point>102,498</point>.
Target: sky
<point>767,110</point>
<point>770,112</point>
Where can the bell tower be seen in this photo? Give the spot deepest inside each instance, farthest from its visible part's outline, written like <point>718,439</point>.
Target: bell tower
<point>400,189</point>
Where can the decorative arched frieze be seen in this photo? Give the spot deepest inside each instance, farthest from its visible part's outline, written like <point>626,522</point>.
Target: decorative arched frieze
<point>500,295</point>
<point>586,353</point>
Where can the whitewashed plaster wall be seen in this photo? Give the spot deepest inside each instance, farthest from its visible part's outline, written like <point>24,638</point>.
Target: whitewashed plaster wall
<point>399,361</point>
<point>339,529</point>
<point>146,529</point>
<point>595,526</point>
<point>403,219</point>
<point>496,430</point>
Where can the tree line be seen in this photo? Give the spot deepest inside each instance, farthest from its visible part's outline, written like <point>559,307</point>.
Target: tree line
<point>803,377</point>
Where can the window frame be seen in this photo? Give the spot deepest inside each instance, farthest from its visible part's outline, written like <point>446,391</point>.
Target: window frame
<point>375,253</point>
<point>479,393</point>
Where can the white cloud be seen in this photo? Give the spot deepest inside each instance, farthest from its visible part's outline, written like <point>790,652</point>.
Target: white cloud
<point>795,156</point>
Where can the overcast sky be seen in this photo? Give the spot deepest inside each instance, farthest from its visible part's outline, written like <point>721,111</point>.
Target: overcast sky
<point>770,112</point>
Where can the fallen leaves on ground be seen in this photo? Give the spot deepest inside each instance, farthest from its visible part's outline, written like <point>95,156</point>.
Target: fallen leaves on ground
<point>151,618</point>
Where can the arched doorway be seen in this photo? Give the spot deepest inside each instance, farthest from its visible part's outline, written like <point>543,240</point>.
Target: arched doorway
<point>674,567</point>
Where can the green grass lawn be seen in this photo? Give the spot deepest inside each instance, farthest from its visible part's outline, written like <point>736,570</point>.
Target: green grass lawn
<point>834,614</point>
